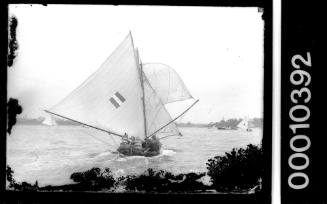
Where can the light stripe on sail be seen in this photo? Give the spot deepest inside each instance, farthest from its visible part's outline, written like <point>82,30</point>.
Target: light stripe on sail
<point>114,102</point>
<point>117,100</point>
<point>120,97</point>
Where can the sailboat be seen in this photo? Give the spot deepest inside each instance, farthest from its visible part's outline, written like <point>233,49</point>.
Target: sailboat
<point>49,121</point>
<point>244,125</point>
<point>126,98</point>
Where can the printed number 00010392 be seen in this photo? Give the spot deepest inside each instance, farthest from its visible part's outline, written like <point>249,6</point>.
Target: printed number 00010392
<point>299,97</point>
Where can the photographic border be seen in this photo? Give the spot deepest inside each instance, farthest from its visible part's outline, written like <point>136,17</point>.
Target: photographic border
<point>299,38</point>
<point>262,197</point>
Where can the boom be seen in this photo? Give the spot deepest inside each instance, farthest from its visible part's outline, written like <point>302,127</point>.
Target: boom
<point>116,134</point>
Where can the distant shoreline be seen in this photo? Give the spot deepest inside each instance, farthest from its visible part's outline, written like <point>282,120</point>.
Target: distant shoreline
<point>253,123</point>
<point>39,121</point>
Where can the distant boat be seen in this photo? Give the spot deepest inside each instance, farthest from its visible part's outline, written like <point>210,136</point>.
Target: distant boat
<point>224,128</point>
<point>127,98</point>
<point>49,121</point>
<point>244,125</point>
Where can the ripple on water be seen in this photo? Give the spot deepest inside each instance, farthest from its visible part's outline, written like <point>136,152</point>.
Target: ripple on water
<point>51,155</point>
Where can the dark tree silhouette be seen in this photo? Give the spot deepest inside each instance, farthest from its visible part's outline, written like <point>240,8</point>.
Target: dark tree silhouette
<point>163,181</point>
<point>10,177</point>
<point>24,186</point>
<point>13,109</point>
<point>13,45</point>
<point>238,169</point>
<point>94,179</point>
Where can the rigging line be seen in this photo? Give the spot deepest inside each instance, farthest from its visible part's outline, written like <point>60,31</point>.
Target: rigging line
<point>173,119</point>
<point>95,137</point>
<point>167,136</point>
<point>160,101</point>
<point>85,124</point>
<point>113,140</point>
<point>154,118</point>
<point>146,80</point>
<point>153,92</point>
<point>143,98</point>
<point>156,115</point>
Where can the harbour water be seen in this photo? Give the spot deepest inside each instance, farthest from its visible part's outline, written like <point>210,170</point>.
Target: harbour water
<point>50,154</point>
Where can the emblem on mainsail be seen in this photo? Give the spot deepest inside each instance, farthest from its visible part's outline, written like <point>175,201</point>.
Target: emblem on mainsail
<point>127,99</point>
<point>115,102</point>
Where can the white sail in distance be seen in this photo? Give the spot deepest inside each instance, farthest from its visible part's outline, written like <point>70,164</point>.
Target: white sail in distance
<point>49,120</point>
<point>244,124</point>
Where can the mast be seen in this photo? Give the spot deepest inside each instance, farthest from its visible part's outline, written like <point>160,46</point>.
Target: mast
<point>142,85</point>
<point>140,71</point>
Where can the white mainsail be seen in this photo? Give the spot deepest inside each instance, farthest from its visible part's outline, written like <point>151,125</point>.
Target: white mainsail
<point>124,96</point>
<point>109,99</point>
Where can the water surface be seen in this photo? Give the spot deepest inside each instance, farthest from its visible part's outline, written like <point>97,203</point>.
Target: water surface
<point>51,154</point>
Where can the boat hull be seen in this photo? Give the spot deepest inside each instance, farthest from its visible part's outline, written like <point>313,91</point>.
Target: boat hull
<point>147,150</point>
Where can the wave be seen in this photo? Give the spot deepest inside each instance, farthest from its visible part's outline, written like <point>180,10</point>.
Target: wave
<point>168,152</point>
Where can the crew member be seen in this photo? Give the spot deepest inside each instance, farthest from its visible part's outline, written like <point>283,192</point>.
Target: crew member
<point>125,138</point>
<point>154,144</point>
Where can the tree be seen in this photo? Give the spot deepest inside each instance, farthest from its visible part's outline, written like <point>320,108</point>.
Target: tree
<point>13,109</point>
<point>238,169</point>
<point>94,179</point>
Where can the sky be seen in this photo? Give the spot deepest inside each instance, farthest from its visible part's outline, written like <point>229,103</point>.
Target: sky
<point>217,51</point>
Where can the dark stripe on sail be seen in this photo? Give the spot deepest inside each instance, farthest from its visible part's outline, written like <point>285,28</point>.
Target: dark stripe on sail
<point>120,97</point>
<point>114,102</point>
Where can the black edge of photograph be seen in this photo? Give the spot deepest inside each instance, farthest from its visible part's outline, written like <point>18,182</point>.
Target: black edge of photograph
<point>303,107</point>
<point>154,103</point>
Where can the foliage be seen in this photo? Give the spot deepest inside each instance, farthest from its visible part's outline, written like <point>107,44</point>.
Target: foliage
<point>13,45</point>
<point>94,179</point>
<point>163,181</point>
<point>24,186</point>
<point>13,109</point>
<point>9,176</point>
<point>150,181</point>
<point>232,123</point>
<point>238,169</point>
